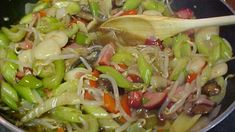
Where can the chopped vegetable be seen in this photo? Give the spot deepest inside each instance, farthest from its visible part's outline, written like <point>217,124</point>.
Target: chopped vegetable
<point>130,12</point>
<point>122,57</point>
<point>121,81</point>
<point>131,4</point>
<point>9,95</point>
<point>191,77</point>
<point>108,123</point>
<point>64,99</point>
<point>48,24</point>
<point>54,80</point>
<point>26,93</point>
<point>94,7</point>
<point>9,69</point>
<point>109,103</point>
<point>82,39</point>
<point>4,41</point>
<point>145,69</point>
<point>71,7</point>
<point>153,5</point>
<point>124,104</point>
<point>67,114</point>
<point>96,111</point>
<point>30,81</point>
<point>14,34</point>
<point>186,120</point>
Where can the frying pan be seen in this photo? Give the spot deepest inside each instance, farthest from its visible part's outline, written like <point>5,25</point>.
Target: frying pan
<point>13,10</point>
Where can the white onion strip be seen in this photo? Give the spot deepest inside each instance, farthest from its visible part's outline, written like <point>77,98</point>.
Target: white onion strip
<point>176,84</point>
<point>84,61</point>
<point>169,6</point>
<point>166,64</point>
<point>46,122</point>
<point>93,103</point>
<point>63,57</point>
<point>171,93</point>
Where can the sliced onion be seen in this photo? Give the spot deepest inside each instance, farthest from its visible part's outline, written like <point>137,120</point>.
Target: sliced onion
<point>215,112</point>
<point>166,64</point>
<point>46,122</point>
<point>60,13</point>
<point>87,65</point>
<point>218,70</point>
<point>94,103</point>
<point>63,57</point>
<point>168,3</point>
<point>203,121</point>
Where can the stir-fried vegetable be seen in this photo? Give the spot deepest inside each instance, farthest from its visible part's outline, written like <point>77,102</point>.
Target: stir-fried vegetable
<point>121,81</point>
<point>145,69</point>
<point>9,95</point>
<point>60,72</point>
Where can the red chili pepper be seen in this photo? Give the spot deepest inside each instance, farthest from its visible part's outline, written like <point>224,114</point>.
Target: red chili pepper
<point>88,96</point>
<point>129,12</point>
<point>94,84</point>
<point>109,103</point>
<point>42,13</point>
<point>60,129</point>
<point>191,77</point>
<point>123,66</point>
<point>121,120</point>
<point>124,104</point>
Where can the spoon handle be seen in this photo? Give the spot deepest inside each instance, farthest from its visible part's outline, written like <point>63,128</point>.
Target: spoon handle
<point>215,21</point>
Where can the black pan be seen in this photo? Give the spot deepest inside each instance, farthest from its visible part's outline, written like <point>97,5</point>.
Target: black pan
<point>12,10</point>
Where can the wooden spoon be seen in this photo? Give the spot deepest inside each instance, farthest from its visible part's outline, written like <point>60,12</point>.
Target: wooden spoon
<point>144,26</point>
